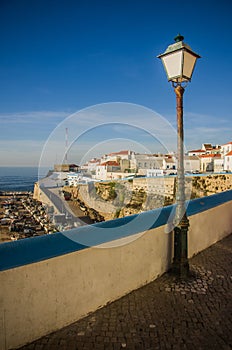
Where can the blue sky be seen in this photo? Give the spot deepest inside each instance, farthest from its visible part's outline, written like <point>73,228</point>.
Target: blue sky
<point>59,57</point>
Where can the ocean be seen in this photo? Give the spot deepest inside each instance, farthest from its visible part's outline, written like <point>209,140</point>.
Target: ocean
<point>18,178</point>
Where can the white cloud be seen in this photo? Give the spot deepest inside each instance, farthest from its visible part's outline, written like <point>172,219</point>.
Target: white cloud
<point>31,116</point>
<point>97,130</point>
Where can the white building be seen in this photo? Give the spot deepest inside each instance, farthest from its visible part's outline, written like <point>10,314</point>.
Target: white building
<point>207,162</point>
<point>104,171</point>
<point>170,165</point>
<point>73,179</point>
<point>226,148</point>
<point>192,164</point>
<point>117,156</point>
<point>228,161</point>
<point>209,149</point>
<point>218,165</point>
<point>90,166</point>
<point>196,152</point>
<point>146,161</point>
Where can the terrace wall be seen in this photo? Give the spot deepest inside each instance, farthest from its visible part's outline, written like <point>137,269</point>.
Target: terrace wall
<point>51,281</point>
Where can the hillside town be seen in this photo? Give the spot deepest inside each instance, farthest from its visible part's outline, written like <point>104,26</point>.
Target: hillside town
<point>148,180</point>
<point>127,164</point>
<point>123,183</point>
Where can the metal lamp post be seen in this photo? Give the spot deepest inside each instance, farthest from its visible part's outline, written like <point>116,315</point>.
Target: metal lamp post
<point>179,61</point>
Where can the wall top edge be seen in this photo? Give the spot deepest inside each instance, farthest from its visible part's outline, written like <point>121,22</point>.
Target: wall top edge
<point>35,249</point>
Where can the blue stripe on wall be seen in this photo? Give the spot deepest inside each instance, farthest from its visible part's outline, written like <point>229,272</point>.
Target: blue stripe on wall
<point>31,250</point>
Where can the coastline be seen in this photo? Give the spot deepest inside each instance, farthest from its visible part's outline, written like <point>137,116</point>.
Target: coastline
<point>23,216</point>
<point>18,179</point>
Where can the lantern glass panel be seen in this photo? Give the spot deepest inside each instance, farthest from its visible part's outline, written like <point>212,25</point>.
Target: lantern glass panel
<point>188,64</point>
<point>173,64</point>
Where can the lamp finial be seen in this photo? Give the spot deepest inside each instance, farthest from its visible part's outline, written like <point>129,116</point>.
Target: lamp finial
<point>178,38</point>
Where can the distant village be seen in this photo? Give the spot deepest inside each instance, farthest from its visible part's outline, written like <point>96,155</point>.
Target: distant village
<point>128,164</point>
<point>26,215</point>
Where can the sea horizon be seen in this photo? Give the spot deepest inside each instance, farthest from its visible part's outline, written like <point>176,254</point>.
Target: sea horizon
<point>15,178</point>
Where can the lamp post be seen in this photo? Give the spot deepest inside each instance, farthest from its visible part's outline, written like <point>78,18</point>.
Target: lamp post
<point>179,61</point>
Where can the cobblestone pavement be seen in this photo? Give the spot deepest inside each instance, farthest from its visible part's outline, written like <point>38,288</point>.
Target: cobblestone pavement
<point>165,314</point>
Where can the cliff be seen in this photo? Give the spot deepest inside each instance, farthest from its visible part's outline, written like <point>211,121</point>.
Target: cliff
<point>109,200</point>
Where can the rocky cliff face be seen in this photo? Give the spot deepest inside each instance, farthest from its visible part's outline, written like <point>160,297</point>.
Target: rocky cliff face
<point>110,200</point>
<point>207,185</point>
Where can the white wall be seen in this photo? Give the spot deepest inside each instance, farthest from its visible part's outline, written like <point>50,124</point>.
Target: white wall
<point>228,163</point>
<point>192,164</point>
<point>226,148</point>
<point>101,172</point>
<point>218,165</point>
<point>39,298</point>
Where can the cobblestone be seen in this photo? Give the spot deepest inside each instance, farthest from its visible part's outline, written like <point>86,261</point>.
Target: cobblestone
<point>165,314</point>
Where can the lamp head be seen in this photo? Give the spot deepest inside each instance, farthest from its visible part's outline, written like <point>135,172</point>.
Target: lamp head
<point>179,61</point>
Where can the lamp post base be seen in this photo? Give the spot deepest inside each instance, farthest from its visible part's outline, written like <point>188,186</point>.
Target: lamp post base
<point>180,265</point>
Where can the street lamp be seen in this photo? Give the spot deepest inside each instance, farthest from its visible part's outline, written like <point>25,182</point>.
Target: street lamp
<point>179,61</point>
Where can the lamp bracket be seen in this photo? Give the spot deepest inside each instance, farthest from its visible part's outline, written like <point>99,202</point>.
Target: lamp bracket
<point>175,84</point>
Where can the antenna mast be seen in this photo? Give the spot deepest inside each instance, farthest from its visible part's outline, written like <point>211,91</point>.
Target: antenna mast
<point>66,146</point>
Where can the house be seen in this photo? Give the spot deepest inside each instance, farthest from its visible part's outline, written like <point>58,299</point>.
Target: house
<point>207,161</point>
<point>73,179</point>
<point>117,156</point>
<point>206,147</point>
<point>226,148</point>
<point>104,170</point>
<point>192,164</point>
<point>145,161</point>
<point>216,149</point>
<point>197,152</point>
<point>218,165</point>
<point>90,166</point>
<point>228,161</point>
<point>209,149</point>
<point>125,165</point>
<point>170,165</point>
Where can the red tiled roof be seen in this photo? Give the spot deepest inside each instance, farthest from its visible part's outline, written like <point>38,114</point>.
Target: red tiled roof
<point>120,152</point>
<point>229,154</point>
<point>123,152</point>
<point>111,163</point>
<point>210,156</point>
<point>197,150</point>
<point>228,143</point>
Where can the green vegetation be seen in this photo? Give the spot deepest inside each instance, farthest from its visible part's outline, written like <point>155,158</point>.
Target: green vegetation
<point>117,213</point>
<point>112,192</point>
